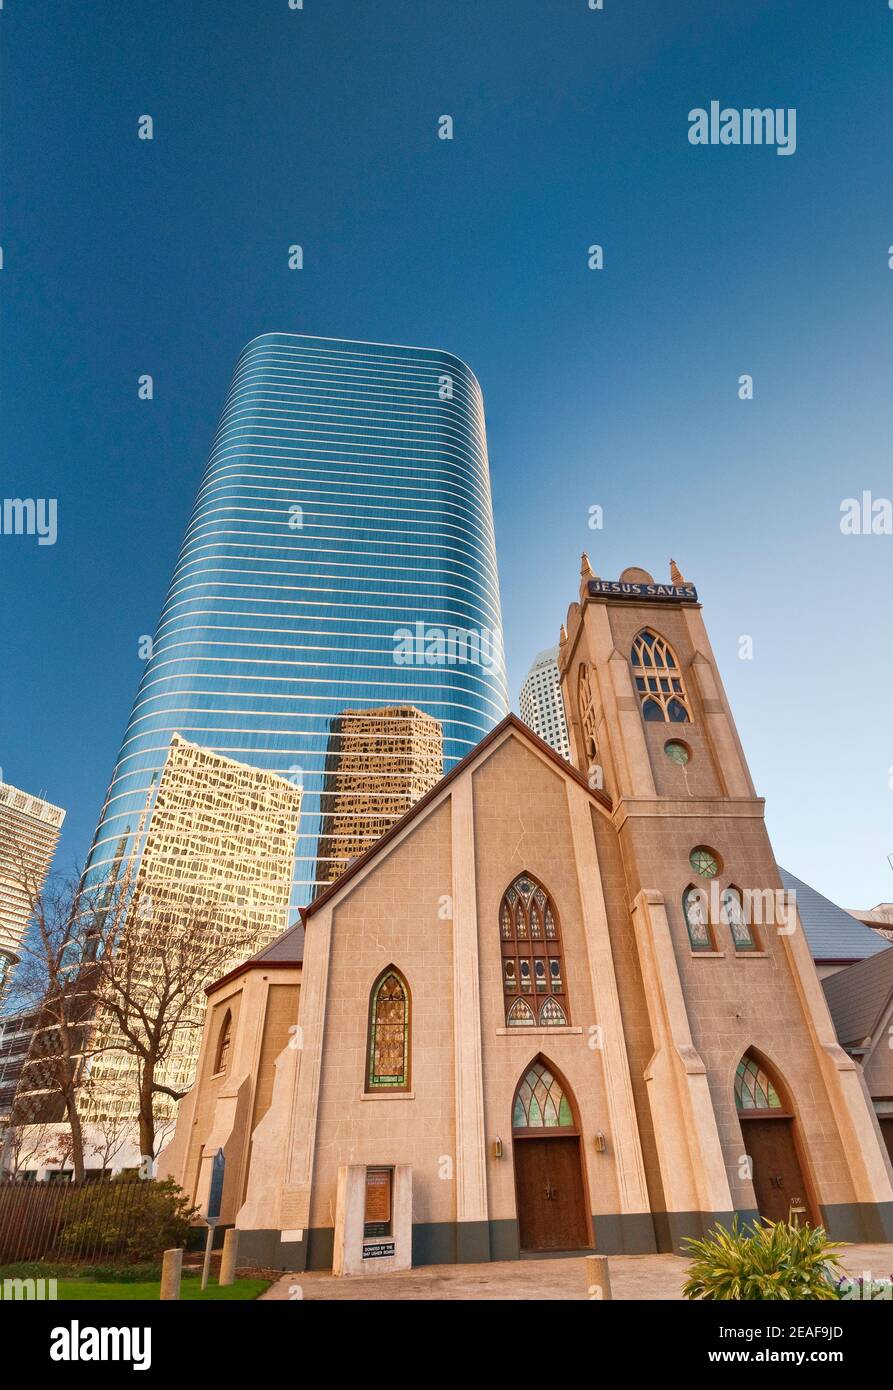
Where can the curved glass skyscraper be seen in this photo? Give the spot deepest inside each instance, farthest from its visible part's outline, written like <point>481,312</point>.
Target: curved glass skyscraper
<point>340,556</point>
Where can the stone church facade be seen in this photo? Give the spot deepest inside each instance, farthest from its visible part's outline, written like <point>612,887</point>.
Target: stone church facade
<point>563,1007</point>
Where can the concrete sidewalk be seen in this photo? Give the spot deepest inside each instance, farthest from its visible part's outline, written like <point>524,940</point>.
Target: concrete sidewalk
<point>633,1277</point>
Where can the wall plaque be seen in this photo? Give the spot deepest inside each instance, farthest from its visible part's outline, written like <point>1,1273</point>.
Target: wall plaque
<point>377,1221</point>
<point>379,1250</point>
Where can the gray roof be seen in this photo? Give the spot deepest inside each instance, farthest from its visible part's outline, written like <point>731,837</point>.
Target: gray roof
<point>286,949</point>
<point>859,996</point>
<point>833,935</point>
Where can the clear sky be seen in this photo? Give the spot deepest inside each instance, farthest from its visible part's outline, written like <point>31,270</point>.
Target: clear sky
<point>616,388</point>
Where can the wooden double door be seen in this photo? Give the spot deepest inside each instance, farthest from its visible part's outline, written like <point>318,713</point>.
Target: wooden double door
<point>778,1180</point>
<point>551,1196</point>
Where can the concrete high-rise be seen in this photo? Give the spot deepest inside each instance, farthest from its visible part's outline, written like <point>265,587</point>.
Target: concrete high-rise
<point>340,555</point>
<point>542,704</point>
<point>217,860</point>
<point>383,762</point>
<point>29,833</point>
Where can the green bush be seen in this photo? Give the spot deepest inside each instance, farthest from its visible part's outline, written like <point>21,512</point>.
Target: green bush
<point>156,1219</point>
<point>774,1260</point>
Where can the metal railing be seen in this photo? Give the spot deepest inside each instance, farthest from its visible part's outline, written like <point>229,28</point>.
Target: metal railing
<point>83,1222</point>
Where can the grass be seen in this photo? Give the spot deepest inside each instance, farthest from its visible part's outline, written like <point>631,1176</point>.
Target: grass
<point>91,1290</point>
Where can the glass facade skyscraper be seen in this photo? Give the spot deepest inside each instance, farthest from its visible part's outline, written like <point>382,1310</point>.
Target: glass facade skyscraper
<point>340,555</point>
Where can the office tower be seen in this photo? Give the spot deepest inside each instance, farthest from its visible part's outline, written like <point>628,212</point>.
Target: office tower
<point>340,555</point>
<point>217,860</point>
<point>542,705</point>
<point>382,762</point>
<point>29,833</point>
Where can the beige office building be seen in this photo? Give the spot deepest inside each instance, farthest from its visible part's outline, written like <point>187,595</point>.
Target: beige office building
<point>382,762</point>
<point>29,833</point>
<point>218,857</point>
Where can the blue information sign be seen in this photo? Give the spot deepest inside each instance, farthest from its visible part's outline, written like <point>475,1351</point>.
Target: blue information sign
<point>215,1195</point>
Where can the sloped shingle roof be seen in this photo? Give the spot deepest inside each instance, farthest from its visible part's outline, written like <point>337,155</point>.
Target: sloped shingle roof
<point>859,996</point>
<point>286,950</point>
<point>833,935</point>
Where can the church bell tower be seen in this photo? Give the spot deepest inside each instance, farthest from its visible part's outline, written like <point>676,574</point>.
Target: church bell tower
<point>746,1100</point>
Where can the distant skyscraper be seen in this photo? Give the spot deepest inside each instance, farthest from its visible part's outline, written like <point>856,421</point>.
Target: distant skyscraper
<point>383,761</point>
<point>29,833</point>
<point>542,705</point>
<point>341,539</point>
<point>218,858</point>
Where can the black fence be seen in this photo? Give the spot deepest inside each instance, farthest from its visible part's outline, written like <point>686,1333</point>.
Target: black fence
<point>89,1222</point>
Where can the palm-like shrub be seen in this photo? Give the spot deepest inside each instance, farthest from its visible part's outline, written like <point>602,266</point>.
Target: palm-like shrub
<point>771,1260</point>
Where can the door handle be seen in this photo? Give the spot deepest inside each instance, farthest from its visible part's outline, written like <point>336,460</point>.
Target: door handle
<point>550,1193</point>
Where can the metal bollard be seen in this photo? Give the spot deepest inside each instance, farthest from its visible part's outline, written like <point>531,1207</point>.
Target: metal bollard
<point>171,1270</point>
<point>598,1277</point>
<point>229,1256</point>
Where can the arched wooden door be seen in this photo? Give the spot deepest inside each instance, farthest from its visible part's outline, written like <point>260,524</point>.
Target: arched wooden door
<point>550,1187</point>
<point>768,1127</point>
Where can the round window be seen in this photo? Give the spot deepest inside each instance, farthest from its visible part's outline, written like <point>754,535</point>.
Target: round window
<point>704,861</point>
<point>677,752</point>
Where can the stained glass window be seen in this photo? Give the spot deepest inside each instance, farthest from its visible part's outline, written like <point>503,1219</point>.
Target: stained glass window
<point>531,956</point>
<point>732,911</point>
<point>704,861</point>
<point>540,1102</point>
<point>388,1056</point>
<point>223,1043</point>
<point>658,680</point>
<point>753,1089</point>
<point>551,1013</point>
<point>520,1014</point>
<point>694,904</point>
<point>697,918</point>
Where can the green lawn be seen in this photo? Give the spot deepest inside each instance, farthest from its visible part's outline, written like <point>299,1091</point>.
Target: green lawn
<point>190,1291</point>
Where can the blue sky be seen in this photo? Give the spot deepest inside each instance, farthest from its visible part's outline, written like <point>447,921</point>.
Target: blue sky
<point>615,388</point>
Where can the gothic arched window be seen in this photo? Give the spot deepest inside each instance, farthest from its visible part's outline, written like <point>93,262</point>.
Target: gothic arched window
<point>532,968</point>
<point>696,908</point>
<point>754,1089</point>
<point>224,1038</point>
<point>659,683</point>
<point>541,1101</point>
<point>586,707</point>
<point>387,1052</point>
<point>733,914</point>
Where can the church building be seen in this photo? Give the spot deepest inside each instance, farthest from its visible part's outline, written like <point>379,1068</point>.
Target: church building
<point>556,1008</point>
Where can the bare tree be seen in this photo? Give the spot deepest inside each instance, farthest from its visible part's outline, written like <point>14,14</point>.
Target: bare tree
<point>150,990</point>
<point>108,975</point>
<point>54,976</point>
<point>21,1144</point>
<point>110,1135</point>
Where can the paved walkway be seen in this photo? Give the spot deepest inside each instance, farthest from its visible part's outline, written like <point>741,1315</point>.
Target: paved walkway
<point>632,1277</point>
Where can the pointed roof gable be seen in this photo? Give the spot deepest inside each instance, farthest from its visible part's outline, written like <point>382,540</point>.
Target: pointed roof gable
<point>512,723</point>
